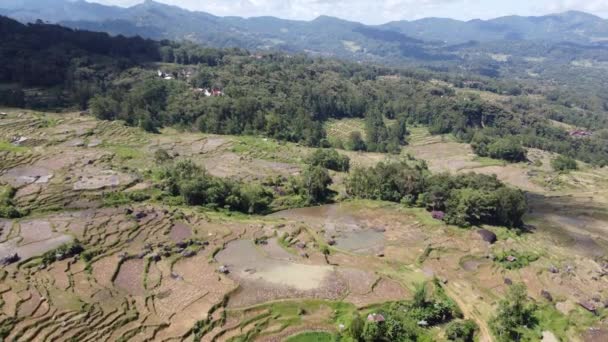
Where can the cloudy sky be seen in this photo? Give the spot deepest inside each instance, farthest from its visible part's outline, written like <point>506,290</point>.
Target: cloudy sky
<point>381,11</point>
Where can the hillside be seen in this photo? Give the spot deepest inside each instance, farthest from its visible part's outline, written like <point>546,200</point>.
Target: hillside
<point>161,190</point>
<point>565,53</point>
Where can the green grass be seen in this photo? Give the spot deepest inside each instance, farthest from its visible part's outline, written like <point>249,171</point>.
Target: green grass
<point>341,129</point>
<point>266,148</point>
<point>8,147</point>
<point>124,152</point>
<point>311,336</point>
<point>485,161</point>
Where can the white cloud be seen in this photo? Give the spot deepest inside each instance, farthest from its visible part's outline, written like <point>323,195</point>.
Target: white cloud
<point>381,11</point>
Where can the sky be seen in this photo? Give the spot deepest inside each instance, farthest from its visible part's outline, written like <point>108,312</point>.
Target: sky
<point>381,11</point>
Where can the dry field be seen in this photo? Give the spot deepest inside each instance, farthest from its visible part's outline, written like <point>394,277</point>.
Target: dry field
<point>153,271</point>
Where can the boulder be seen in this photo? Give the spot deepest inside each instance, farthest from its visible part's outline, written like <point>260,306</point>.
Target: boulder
<point>9,259</point>
<point>487,235</point>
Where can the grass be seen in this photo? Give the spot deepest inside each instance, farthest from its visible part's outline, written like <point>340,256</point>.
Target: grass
<point>485,161</point>
<point>266,148</point>
<point>125,152</point>
<point>311,336</point>
<point>8,147</point>
<point>341,129</point>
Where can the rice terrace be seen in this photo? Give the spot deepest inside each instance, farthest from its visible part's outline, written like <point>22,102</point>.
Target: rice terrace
<point>250,182</point>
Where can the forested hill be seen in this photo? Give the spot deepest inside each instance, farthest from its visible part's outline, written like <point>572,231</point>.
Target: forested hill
<point>288,97</point>
<point>567,49</point>
<point>41,54</point>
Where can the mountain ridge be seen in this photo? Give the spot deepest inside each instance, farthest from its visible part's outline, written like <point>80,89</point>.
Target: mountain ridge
<point>575,26</point>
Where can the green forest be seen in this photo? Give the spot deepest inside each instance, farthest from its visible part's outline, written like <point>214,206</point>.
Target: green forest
<point>287,97</point>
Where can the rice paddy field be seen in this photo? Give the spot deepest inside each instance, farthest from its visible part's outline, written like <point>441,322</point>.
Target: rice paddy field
<point>153,270</point>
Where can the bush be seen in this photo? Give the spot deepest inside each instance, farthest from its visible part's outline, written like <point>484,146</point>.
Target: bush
<point>329,159</point>
<point>62,252</point>
<point>315,184</point>
<point>468,199</point>
<point>197,187</point>
<point>513,260</point>
<point>355,142</point>
<point>507,149</point>
<point>461,331</point>
<point>564,164</point>
<point>161,156</point>
<point>515,314</point>
<point>7,208</point>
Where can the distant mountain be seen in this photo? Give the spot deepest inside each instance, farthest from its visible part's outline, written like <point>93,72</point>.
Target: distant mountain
<point>430,41</point>
<point>569,26</point>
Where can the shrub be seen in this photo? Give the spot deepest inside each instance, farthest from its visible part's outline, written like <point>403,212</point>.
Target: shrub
<point>315,183</point>
<point>62,252</point>
<point>507,149</point>
<point>355,142</point>
<point>197,187</point>
<point>564,164</point>
<point>7,208</point>
<point>514,315</point>
<point>461,331</point>
<point>512,259</point>
<point>329,159</point>
<point>161,156</point>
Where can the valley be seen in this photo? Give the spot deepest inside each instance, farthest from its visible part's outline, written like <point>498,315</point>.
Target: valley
<point>153,270</point>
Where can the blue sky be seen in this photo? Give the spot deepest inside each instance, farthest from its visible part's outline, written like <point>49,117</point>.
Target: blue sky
<point>381,11</point>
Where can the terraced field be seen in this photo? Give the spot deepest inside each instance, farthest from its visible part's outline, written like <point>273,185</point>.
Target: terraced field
<point>153,270</point>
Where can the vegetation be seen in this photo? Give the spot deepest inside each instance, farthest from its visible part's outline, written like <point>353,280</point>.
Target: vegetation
<point>469,199</point>
<point>315,183</point>
<point>311,337</point>
<point>64,251</point>
<point>283,97</point>
<point>461,331</point>
<point>197,187</point>
<point>564,164</point>
<point>515,260</point>
<point>7,207</point>
<point>507,149</point>
<point>405,321</point>
<point>329,159</point>
<point>515,315</point>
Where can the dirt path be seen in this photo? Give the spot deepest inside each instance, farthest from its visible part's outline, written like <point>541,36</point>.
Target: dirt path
<point>484,331</point>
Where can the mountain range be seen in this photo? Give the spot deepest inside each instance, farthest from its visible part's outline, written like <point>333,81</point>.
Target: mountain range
<point>157,20</point>
<point>483,45</point>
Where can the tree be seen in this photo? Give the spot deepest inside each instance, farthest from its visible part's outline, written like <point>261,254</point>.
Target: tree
<point>104,108</point>
<point>372,331</point>
<point>514,315</point>
<point>355,329</point>
<point>511,206</point>
<point>329,159</point>
<point>507,149</point>
<point>316,180</point>
<point>355,142</point>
